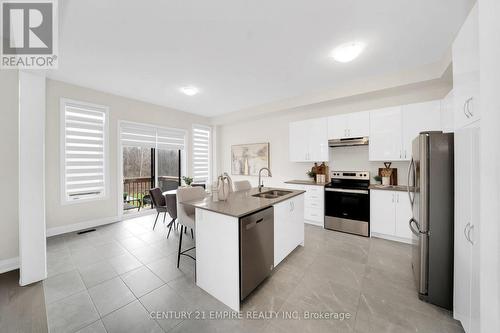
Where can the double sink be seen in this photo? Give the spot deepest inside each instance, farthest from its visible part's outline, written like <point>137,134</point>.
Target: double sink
<point>273,194</point>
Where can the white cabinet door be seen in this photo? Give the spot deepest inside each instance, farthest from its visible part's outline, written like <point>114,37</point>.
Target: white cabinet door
<point>358,124</point>
<point>288,227</point>
<point>462,255</point>
<point>297,218</point>
<point>382,212</point>
<point>465,51</point>
<point>280,229</point>
<point>385,134</point>
<point>474,231</point>
<point>337,127</point>
<point>298,141</point>
<point>318,139</point>
<point>403,215</point>
<point>418,118</point>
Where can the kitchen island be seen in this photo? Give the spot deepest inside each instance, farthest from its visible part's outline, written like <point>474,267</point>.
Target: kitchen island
<point>220,239</point>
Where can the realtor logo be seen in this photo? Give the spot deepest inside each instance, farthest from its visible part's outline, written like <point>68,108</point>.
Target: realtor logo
<point>29,34</point>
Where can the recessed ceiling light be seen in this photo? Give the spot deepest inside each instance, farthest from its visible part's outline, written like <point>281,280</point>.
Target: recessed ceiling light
<point>348,51</point>
<point>190,90</point>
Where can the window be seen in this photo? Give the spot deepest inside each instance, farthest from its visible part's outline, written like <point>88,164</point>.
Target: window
<point>84,138</point>
<point>152,157</point>
<point>202,140</point>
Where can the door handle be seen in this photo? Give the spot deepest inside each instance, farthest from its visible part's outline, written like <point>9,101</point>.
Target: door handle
<point>465,112</point>
<point>416,231</point>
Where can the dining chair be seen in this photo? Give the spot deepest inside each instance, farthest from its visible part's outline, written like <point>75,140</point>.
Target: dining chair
<point>161,207</point>
<point>186,215</point>
<point>241,185</point>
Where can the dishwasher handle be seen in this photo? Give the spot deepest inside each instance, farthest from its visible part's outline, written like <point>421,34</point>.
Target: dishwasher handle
<point>253,224</point>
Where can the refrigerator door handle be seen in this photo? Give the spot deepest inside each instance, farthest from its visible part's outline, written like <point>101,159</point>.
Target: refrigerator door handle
<point>408,181</point>
<point>416,231</point>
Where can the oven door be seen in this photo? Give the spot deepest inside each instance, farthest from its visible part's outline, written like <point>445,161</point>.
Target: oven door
<point>347,204</point>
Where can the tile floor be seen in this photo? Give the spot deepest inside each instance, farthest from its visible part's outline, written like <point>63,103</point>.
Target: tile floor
<point>112,279</point>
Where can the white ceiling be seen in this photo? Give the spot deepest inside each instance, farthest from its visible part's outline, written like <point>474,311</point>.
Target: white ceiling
<point>241,53</point>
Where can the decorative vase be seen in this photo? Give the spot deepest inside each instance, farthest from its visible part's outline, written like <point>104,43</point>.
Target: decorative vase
<point>386,181</point>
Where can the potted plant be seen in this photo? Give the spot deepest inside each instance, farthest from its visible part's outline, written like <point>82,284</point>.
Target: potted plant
<point>377,179</point>
<point>187,180</point>
<point>311,174</point>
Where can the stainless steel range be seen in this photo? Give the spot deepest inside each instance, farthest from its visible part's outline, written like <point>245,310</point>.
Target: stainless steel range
<point>347,202</point>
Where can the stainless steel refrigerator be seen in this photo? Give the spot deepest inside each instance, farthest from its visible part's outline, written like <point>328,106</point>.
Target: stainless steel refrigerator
<point>431,192</point>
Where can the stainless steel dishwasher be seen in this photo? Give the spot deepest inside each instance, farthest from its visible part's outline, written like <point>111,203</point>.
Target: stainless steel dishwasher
<point>256,249</point>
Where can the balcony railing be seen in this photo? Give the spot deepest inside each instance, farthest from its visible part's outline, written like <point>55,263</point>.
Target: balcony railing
<point>136,190</point>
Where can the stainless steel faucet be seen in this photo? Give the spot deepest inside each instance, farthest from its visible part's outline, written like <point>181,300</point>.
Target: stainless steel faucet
<point>261,185</point>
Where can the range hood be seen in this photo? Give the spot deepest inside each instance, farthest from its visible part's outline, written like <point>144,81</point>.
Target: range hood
<point>348,142</point>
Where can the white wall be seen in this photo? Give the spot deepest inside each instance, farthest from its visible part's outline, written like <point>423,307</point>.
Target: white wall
<point>489,45</point>
<point>59,217</point>
<point>9,170</point>
<point>356,159</point>
<point>273,128</point>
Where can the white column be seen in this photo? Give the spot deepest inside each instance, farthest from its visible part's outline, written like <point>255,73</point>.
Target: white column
<point>32,236</point>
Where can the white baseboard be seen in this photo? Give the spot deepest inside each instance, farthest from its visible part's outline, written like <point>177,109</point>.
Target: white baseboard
<point>81,226</point>
<point>7,265</point>
<point>94,223</point>
<point>392,238</point>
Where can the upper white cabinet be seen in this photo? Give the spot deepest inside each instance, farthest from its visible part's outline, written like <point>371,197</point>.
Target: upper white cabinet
<point>351,125</point>
<point>418,118</point>
<point>466,71</point>
<point>309,140</point>
<point>392,130</point>
<point>385,134</point>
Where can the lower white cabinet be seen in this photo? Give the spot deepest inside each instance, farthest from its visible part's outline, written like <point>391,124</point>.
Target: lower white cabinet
<point>390,212</point>
<point>466,264</point>
<point>288,227</point>
<point>314,203</point>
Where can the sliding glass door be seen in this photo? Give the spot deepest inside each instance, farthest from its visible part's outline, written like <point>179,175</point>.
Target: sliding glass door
<point>152,157</point>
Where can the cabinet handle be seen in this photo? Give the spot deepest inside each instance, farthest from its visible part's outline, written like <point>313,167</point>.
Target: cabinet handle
<point>468,234</point>
<point>468,108</point>
<point>464,107</point>
<point>393,197</point>
<point>400,154</point>
<point>397,196</point>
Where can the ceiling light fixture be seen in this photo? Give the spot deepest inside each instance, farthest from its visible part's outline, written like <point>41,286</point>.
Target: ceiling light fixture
<point>348,51</point>
<point>190,90</point>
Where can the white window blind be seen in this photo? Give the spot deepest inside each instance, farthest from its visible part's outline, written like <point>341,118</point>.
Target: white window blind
<point>83,150</point>
<point>137,135</point>
<point>202,136</point>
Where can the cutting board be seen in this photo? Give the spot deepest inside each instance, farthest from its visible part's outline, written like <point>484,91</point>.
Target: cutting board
<point>394,175</point>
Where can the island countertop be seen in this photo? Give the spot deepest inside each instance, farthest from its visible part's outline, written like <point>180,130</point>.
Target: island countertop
<point>241,203</point>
